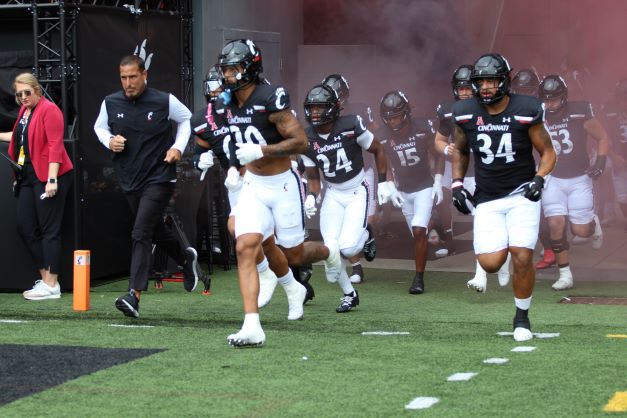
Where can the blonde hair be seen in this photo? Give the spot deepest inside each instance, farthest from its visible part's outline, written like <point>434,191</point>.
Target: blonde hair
<point>28,79</point>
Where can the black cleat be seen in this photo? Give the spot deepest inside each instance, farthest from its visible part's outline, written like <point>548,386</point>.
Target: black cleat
<point>370,247</point>
<point>128,304</point>
<point>348,302</point>
<point>310,292</point>
<point>418,285</point>
<point>190,269</point>
<point>522,326</point>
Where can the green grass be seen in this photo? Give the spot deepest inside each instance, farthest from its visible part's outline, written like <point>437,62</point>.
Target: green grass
<point>452,329</point>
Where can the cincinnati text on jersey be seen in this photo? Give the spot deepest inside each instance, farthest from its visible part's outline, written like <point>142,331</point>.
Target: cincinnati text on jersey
<point>328,147</point>
<point>491,128</point>
<point>239,120</point>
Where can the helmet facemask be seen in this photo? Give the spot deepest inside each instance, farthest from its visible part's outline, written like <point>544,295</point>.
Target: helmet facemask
<point>321,96</point>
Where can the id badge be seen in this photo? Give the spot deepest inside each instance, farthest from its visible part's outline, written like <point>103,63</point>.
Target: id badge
<point>22,156</point>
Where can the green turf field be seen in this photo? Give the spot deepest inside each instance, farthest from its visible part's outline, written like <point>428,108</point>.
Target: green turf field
<point>323,366</point>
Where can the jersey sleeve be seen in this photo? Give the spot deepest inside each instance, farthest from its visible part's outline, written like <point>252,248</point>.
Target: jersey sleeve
<point>443,123</point>
<point>537,111</point>
<point>363,136</point>
<point>278,100</point>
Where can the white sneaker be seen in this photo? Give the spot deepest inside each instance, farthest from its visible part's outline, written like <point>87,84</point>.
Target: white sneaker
<point>42,291</point>
<point>522,334</point>
<point>478,283</point>
<point>503,276</point>
<point>333,263</point>
<point>563,283</point>
<point>355,279</point>
<point>267,284</point>
<point>247,338</point>
<point>296,293</point>
<point>442,252</point>
<point>597,236</point>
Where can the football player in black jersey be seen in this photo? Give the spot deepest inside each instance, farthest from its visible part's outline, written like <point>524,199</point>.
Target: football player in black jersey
<point>335,148</point>
<point>568,191</point>
<point>265,133</point>
<point>615,115</point>
<point>339,83</point>
<point>502,129</point>
<point>462,90</point>
<point>409,144</point>
<point>526,81</point>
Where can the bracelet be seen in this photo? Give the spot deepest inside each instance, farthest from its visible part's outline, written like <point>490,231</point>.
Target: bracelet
<point>458,179</point>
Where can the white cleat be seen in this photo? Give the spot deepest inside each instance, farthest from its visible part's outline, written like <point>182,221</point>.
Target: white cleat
<point>522,334</point>
<point>296,294</point>
<point>442,252</point>
<point>333,263</point>
<point>478,283</point>
<point>597,236</point>
<point>267,284</point>
<point>247,338</point>
<point>563,283</point>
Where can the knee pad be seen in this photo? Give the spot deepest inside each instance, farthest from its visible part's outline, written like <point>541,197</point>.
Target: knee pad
<point>559,245</point>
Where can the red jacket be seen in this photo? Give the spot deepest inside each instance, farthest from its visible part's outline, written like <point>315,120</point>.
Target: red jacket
<point>45,139</point>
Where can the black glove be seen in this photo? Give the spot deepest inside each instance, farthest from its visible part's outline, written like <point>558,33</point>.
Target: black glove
<point>462,199</point>
<point>597,169</point>
<point>533,189</point>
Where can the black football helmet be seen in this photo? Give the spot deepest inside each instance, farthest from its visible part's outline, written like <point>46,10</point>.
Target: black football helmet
<point>245,53</point>
<point>322,95</point>
<point>461,78</point>
<point>553,87</point>
<point>491,66</point>
<point>526,81</point>
<point>338,83</point>
<point>212,82</point>
<point>395,103</point>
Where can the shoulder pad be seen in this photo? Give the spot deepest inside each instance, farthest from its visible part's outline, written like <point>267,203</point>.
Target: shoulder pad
<point>278,100</point>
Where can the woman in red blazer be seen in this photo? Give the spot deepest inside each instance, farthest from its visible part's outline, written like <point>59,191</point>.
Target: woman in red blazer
<point>43,183</point>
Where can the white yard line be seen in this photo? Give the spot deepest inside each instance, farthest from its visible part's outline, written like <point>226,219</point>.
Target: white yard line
<point>461,377</point>
<point>523,349</point>
<point>422,402</point>
<point>12,321</point>
<point>131,326</point>
<point>384,333</point>
<point>496,360</point>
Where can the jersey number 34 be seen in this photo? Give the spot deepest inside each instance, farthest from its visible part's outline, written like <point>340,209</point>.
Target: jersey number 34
<point>504,150</point>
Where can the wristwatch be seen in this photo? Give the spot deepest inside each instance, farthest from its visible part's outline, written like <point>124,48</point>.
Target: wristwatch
<point>52,181</point>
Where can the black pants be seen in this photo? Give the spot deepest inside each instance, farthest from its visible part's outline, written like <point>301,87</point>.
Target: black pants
<point>39,220</point>
<point>147,206</point>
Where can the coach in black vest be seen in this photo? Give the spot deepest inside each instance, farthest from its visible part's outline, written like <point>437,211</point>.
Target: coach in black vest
<point>135,125</point>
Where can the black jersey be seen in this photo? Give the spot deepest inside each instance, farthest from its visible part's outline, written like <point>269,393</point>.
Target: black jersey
<point>204,125</point>
<point>409,154</point>
<point>569,138</point>
<point>249,123</point>
<point>616,125</point>
<point>339,156</point>
<point>446,127</point>
<point>503,152</point>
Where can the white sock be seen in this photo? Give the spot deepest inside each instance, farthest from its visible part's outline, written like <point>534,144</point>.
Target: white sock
<point>358,263</point>
<point>565,271</point>
<point>480,272</point>
<point>523,304</point>
<point>344,281</point>
<point>251,321</point>
<point>287,279</point>
<point>263,266</point>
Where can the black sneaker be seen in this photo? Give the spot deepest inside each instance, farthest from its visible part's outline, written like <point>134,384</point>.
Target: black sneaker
<point>190,269</point>
<point>370,247</point>
<point>418,285</point>
<point>348,302</point>
<point>128,304</point>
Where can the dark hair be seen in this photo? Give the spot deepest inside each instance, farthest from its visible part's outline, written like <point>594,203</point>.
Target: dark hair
<point>133,60</point>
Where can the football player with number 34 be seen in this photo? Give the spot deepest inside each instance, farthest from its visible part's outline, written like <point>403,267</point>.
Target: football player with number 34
<point>503,129</point>
<point>335,148</point>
